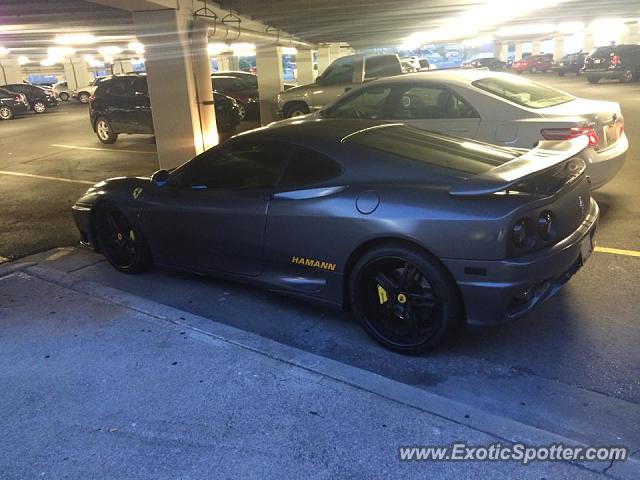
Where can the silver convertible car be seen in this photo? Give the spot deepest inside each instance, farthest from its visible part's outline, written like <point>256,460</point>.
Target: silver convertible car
<point>497,108</point>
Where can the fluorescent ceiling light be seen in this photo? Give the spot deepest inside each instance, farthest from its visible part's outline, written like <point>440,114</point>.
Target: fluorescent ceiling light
<point>289,51</point>
<point>570,27</point>
<point>23,60</point>
<point>60,51</point>
<point>47,62</point>
<point>4,51</point>
<point>111,50</point>
<point>477,42</point>
<point>75,39</point>
<point>243,46</point>
<point>136,47</point>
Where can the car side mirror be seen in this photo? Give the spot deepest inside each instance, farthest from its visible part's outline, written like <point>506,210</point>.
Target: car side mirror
<point>160,178</point>
<point>319,80</point>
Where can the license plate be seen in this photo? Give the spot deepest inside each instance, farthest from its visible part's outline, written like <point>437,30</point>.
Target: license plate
<point>611,133</point>
<point>586,248</point>
<point>597,60</point>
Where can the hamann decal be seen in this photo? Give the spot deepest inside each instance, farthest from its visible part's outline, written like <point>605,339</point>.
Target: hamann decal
<point>308,262</point>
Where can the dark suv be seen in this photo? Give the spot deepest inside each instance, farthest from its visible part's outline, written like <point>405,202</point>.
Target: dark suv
<point>39,99</point>
<point>621,62</point>
<point>121,104</point>
<point>571,63</point>
<point>12,104</point>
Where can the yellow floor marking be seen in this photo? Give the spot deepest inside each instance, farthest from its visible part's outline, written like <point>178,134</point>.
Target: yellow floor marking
<point>44,177</point>
<point>617,251</point>
<point>101,149</point>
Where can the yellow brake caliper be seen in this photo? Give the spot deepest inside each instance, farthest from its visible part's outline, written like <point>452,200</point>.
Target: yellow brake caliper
<point>382,295</point>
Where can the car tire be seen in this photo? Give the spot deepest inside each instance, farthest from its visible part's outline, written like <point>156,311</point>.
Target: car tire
<point>295,109</point>
<point>593,80</point>
<point>120,240</point>
<point>419,306</point>
<point>561,74</point>
<point>627,76</point>
<point>64,96</point>
<point>533,70</point>
<point>83,97</point>
<point>6,112</point>
<point>105,131</point>
<point>39,106</point>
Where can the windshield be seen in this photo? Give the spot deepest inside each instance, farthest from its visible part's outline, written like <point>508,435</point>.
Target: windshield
<point>523,92</point>
<point>462,155</point>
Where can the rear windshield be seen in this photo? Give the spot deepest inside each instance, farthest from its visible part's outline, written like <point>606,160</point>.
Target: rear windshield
<point>522,91</point>
<point>458,154</point>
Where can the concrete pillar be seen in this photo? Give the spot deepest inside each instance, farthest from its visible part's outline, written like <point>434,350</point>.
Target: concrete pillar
<point>334,51</point>
<point>76,72</point>
<point>179,84</point>
<point>587,43</point>
<point>228,62</point>
<point>270,80</point>
<point>518,52</point>
<point>558,48</point>
<point>10,71</point>
<point>632,33</point>
<point>501,51</point>
<point>324,58</point>
<point>535,47</point>
<point>304,66</point>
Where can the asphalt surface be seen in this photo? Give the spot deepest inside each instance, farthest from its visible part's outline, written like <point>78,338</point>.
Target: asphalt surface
<point>571,366</point>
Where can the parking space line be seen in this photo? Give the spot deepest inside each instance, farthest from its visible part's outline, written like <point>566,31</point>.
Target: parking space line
<point>44,177</point>
<point>74,147</point>
<point>618,251</point>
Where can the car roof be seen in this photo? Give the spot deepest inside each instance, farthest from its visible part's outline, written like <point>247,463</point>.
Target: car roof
<point>455,77</point>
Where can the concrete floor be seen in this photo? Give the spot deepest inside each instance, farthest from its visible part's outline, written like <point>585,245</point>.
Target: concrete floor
<point>571,366</point>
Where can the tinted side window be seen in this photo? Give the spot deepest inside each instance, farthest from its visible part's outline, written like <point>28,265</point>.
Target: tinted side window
<point>382,66</point>
<point>367,103</point>
<point>340,71</point>
<point>431,102</point>
<point>139,85</point>
<point>118,86</point>
<point>236,166</point>
<point>308,167</point>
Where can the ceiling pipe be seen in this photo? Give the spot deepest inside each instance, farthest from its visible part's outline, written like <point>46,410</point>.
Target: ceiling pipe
<point>226,32</point>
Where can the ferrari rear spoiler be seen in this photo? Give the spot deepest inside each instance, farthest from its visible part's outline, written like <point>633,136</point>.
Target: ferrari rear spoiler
<point>548,154</point>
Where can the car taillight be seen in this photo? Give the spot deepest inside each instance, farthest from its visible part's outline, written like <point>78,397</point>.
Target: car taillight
<point>18,98</point>
<point>615,59</point>
<point>569,133</point>
<point>92,98</point>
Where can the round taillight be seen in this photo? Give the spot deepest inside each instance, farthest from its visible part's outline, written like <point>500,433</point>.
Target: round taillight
<point>519,233</point>
<point>546,225</point>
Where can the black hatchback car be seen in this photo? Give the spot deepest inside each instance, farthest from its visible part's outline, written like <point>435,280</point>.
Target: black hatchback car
<point>121,104</point>
<point>12,104</point>
<point>39,99</point>
<point>571,63</point>
<point>620,62</point>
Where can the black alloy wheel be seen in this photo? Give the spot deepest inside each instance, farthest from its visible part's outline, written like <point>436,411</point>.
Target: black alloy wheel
<point>120,241</point>
<point>404,299</point>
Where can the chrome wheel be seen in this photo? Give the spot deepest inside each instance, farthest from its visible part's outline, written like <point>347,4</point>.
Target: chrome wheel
<point>103,130</point>
<point>39,107</point>
<point>83,97</point>
<point>6,113</point>
<point>64,96</point>
<point>627,76</point>
<point>242,112</point>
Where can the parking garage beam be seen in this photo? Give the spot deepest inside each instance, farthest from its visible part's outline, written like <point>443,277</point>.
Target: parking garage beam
<point>518,52</point>
<point>270,79</point>
<point>501,51</point>
<point>304,66</point>
<point>536,45</point>
<point>76,72</point>
<point>178,72</point>
<point>324,58</point>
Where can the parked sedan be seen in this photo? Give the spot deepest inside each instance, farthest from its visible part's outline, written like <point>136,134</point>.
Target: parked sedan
<point>121,104</point>
<point>247,98</point>
<point>533,64</point>
<point>571,63</point>
<point>62,91</point>
<point>39,99</point>
<point>493,107</point>
<point>491,63</point>
<point>12,104</point>
<point>400,225</point>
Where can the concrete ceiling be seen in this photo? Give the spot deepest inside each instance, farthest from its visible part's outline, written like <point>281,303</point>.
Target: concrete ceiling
<point>388,22</point>
<point>29,26</point>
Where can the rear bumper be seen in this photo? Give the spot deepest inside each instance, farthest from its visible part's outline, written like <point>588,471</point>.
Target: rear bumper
<point>610,74</point>
<point>491,298</point>
<point>603,165</point>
